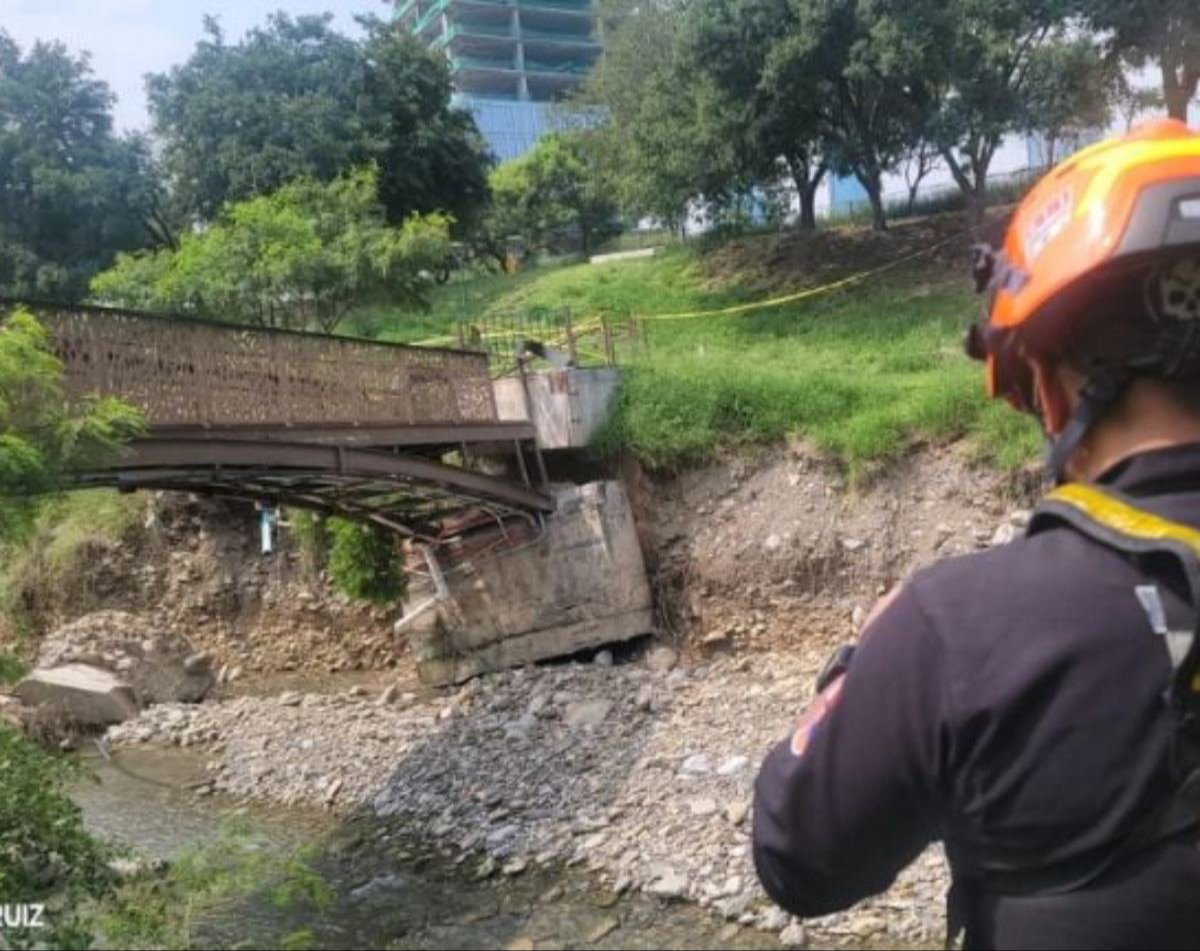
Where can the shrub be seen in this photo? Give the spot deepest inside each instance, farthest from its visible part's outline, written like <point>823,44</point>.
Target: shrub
<point>364,562</point>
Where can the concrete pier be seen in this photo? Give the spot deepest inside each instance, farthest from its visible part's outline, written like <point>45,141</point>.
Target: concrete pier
<point>579,584</point>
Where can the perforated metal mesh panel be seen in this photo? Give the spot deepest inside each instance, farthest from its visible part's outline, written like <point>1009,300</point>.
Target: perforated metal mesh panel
<point>190,373</point>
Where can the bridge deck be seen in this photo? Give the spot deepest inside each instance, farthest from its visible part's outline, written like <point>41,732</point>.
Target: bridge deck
<point>338,424</point>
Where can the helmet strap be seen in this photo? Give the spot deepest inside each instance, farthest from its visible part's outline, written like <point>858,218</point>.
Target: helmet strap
<point>1102,389</point>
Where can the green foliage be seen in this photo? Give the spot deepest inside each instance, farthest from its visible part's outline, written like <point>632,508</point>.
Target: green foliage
<point>298,258</point>
<point>861,372</point>
<point>1069,92</point>
<point>72,194</point>
<point>551,190</point>
<point>1163,32</point>
<point>43,437</point>
<point>12,668</point>
<point>664,140</point>
<point>295,99</point>
<point>163,910</point>
<point>46,856</point>
<point>364,562</point>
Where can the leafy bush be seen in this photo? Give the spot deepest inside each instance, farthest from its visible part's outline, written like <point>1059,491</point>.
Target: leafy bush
<point>298,258</point>
<point>364,562</point>
<point>42,436</point>
<point>46,855</point>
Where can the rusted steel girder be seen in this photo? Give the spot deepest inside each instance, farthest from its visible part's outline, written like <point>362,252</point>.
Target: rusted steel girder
<point>405,494</point>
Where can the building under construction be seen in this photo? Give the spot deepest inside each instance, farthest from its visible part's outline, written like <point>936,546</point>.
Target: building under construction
<point>508,59</point>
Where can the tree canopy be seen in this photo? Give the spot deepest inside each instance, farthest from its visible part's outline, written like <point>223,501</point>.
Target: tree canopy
<point>658,127</point>
<point>1165,33</point>
<point>72,193</point>
<point>552,191</point>
<point>297,258</point>
<point>295,98</point>
<point>43,437</point>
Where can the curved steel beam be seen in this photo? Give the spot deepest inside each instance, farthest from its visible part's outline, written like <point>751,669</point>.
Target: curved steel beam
<point>236,454</point>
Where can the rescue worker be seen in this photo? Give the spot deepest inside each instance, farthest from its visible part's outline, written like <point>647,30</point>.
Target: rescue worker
<point>1037,706</point>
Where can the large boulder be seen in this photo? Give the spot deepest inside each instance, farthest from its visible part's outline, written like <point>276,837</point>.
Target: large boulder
<point>87,695</point>
<point>160,666</point>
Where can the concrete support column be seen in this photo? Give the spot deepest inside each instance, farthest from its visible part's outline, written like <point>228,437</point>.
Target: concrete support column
<point>522,82</point>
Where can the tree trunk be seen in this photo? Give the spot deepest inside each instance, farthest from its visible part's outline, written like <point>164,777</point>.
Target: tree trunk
<point>1177,92</point>
<point>808,208</point>
<point>871,182</point>
<point>807,182</point>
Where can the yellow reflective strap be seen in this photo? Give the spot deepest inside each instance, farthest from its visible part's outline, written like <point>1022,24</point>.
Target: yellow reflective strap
<point>1123,518</point>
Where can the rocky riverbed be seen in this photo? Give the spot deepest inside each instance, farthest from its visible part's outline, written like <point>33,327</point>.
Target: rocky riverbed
<point>640,773</point>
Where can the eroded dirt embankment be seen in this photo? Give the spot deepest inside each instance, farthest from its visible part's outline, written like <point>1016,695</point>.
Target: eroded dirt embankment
<point>640,770</point>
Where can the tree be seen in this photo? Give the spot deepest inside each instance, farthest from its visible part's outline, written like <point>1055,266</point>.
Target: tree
<point>298,258</point>
<point>1131,103</point>
<point>976,79</point>
<point>430,156</point>
<point>658,130</point>
<point>776,115</point>
<point>553,188</point>
<point>1069,92</point>
<point>863,62</point>
<point>294,98</point>
<point>918,165</point>
<point>43,437</point>
<point>1166,32</point>
<point>72,194</point>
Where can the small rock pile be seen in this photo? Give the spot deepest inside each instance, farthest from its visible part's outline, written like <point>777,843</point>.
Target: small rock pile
<point>159,664</point>
<point>644,776</point>
<point>105,666</point>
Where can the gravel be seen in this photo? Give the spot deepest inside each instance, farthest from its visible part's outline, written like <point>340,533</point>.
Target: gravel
<point>568,764</point>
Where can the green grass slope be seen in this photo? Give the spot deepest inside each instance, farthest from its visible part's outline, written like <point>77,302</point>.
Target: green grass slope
<point>861,371</point>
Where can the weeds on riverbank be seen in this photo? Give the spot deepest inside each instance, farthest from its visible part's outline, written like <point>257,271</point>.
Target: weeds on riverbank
<point>47,858</point>
<point>176,908</point>
<point>45,567</point>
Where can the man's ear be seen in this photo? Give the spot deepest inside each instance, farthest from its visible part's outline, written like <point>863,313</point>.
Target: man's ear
<point>1053,394</point>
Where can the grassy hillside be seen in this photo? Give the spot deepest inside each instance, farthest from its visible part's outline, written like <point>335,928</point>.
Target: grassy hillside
<point>861,371</point>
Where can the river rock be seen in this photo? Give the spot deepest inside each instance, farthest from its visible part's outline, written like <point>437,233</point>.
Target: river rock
<point>88,695</point>
<point>794,936</point>
<point>587,712</point>
<point>662,659</point>
<point>602,930</point>
<point>698,764</point>
<point>670,885</point>
<point>733,766</point>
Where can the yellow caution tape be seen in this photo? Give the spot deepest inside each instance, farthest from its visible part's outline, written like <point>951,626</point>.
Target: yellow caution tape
<point>595,323</point>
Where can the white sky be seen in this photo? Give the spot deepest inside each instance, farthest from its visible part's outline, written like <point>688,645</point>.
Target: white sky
<point>129,38</point>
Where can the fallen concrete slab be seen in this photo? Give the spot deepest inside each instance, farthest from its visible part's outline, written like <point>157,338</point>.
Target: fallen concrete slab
<point>91,696</point>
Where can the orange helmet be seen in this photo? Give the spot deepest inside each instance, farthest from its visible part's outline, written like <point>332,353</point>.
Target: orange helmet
<point>1114,227</point>
<point>1112,233</point>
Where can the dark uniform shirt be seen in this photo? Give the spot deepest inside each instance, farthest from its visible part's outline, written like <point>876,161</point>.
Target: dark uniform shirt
<point>1010,703</point>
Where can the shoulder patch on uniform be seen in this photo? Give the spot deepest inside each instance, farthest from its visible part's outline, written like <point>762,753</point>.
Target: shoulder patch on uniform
<point>815,715</point>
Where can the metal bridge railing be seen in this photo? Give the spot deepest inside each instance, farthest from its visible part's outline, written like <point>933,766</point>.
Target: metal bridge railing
<point>183,372</point>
